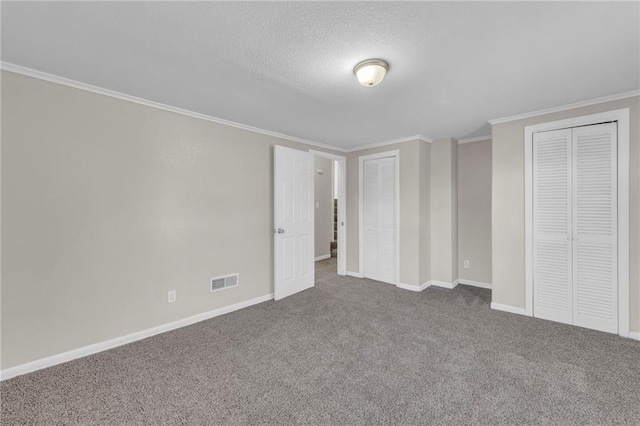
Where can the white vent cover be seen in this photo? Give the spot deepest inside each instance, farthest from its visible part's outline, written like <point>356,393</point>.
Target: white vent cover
<point>227,281</point>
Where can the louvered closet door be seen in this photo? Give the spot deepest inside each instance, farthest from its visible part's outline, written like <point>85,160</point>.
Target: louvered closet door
<point>371,204</point>
<point>379,242</point>
<point>387,222</point>
<point>595,288</point>
<point>552,241</point>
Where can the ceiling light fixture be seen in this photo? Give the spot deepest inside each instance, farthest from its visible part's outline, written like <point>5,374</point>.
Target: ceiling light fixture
<point>371,72</point>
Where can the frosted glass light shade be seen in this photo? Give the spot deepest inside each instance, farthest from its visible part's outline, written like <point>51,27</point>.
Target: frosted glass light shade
<point>371,72</point>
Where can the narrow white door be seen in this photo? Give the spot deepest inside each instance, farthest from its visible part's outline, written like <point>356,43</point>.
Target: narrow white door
<point>371,205</point>
<point>552,240</point>
<point>293,221</point>
<point>379,204</point>
<point>595,235</point>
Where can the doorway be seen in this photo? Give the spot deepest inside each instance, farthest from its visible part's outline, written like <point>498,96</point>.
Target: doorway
<point>330,208</point>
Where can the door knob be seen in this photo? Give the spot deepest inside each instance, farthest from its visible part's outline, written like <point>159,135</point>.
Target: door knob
<point>280,231</point>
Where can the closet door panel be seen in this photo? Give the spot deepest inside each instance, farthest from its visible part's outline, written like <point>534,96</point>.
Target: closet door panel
<point>371,218</point>
<point>387,235</point>
<point>595,298</point>
<point>552,253</point>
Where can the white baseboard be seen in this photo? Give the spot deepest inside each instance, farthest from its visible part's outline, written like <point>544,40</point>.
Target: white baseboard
<point>475,283</point>
<point>445,284</point>
<point>507,308</point>
<point>323,257</point>
<point>635,335</point>
<point>354,274</point>
<point>413,287</point>
<point>123,340</point>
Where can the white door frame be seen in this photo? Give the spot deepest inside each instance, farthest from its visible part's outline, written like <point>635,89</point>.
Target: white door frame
<point>342,207</point>
<point>387,154</point>
<point>621,116</point>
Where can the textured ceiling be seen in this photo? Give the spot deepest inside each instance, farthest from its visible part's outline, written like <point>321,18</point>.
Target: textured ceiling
<point>287,67</point>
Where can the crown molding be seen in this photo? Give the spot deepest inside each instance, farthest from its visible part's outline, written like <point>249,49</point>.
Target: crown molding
<point>476,139</point>
<point>29,72</point>
<point>18,69</point>
<point>391,142</point>
<point>609,98</point>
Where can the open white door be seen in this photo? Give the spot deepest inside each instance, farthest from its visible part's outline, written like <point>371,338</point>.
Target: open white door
<point>293,221</point>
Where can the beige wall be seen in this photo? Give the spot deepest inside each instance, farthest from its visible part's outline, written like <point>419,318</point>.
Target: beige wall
<point>425,213</point>
<point>107,205</point>
<point>454,210</point>
<point>508,204</point>
<point>409,209</point>
<point>444,222</point>
<point>474,210</point>
<point>324,206</point>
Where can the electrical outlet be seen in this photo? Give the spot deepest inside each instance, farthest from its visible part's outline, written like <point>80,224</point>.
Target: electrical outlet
<point>317,205</point>
<point>171,296</point>
<point>466,264</point>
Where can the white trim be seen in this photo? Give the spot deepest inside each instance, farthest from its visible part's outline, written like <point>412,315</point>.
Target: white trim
<point>475,283</point>
<point>528,223</point>
<point>361,159</point>
<point>391,142</point>
<point>354,274</point>
<point>7,66</point>
<point>123,340</point>
<point>342,208</point>
<point>507,308</point>
<point>413,287</point>
<point>609,98</point>
<point>323,257</point>
<point>635,335</point>
<point>476,139</point>
<point>445,284</point>
<point>622,117</point>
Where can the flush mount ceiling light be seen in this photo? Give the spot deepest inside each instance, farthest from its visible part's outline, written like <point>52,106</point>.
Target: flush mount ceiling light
<point>371,72</point>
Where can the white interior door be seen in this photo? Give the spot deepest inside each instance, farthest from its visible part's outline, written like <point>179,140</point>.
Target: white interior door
<point>575,235</point>
<point>293,221</point>
<point>552,240</point>
<point>371,205</point>
<point>379,217</point>
<point>595,287</point>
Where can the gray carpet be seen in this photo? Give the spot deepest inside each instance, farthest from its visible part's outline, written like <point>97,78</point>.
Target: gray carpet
<point>348,351</point>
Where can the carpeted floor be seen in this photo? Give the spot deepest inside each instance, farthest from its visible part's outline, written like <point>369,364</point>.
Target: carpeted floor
<point>348,351</point>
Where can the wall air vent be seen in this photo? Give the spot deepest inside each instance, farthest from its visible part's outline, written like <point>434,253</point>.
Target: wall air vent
<point>227,281</point>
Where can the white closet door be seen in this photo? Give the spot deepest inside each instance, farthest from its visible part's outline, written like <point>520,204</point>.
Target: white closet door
<point>387,222</point>
<point>552,241</point>
<point>371,218</point>
<point>595,288</point>
<point>379,204</point>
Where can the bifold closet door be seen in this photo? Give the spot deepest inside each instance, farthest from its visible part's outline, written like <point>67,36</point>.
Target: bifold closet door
<point>575,263</point>
<point>552,241</point>
<point>379,204</point>
<point>595,227</point>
